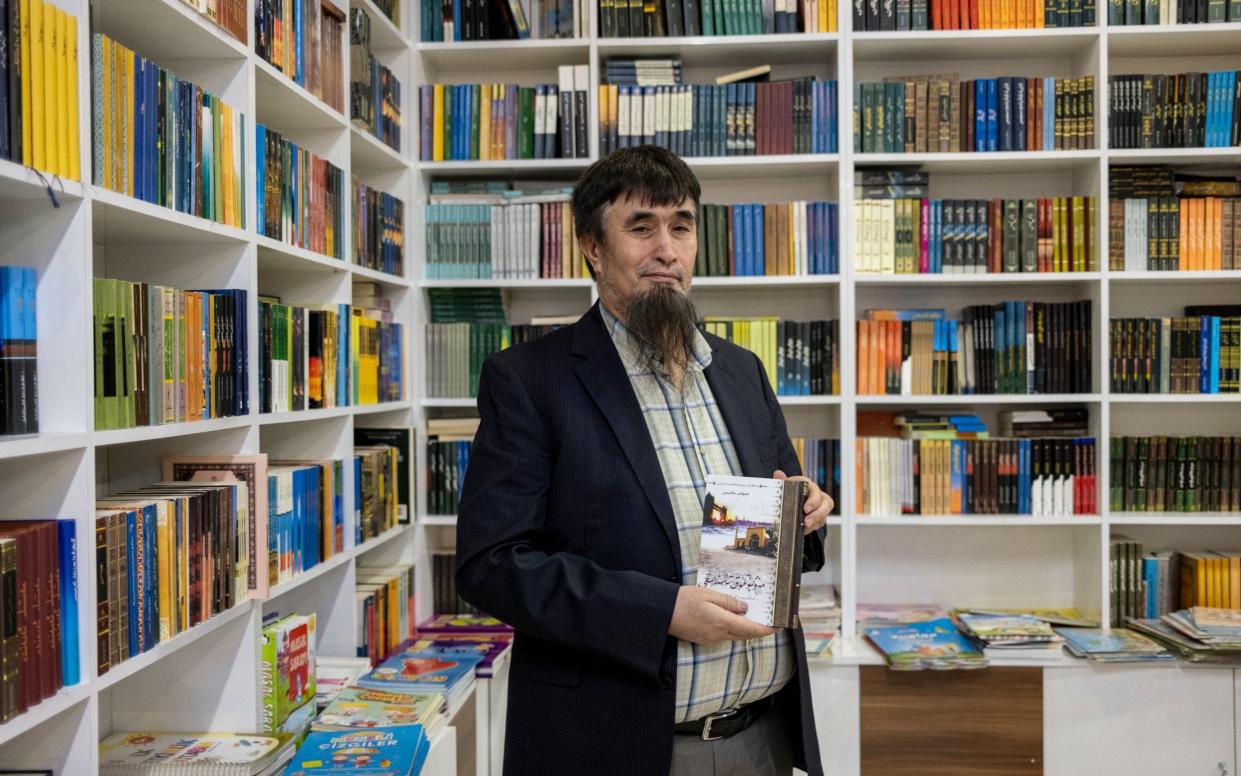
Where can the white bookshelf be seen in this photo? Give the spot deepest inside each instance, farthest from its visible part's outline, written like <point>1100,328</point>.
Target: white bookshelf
<point>207,677</point>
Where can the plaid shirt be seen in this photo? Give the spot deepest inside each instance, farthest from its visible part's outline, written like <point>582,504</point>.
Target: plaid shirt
<point>689,434</point>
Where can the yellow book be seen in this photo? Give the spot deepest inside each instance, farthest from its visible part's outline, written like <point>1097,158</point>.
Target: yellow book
<point>825,16</point>
<point>484,125</point>
<point>53,74</point>
<point>226,166</point>
<point>163,554</point>
<point>27,118</point>
<point>64,127</point>
<point>127,126</point>
<point>75,132</point>
<point>437,123</point>
<point>38,108</point>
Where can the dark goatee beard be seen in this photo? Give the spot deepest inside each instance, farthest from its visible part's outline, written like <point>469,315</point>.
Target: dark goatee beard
<point>665,318</point>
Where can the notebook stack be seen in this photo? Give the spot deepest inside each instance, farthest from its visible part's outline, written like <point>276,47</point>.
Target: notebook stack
<point>1117,645</point>
<point>1012,637</point>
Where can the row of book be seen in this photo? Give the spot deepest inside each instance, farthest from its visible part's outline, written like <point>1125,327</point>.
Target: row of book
<point>1174,110</point>
<point>163,355</point>
<point>444,593</point>
<point>19,350</point>
<point>1167,580</point>
<point>300,197</point>
<point>503,20</point>
<point>1171,233</point>
<point>505,234</point>
<point>876,16</point>
<point>820,461</point>
<point>976,476</point>
<point>455,352</point>
<point>920,114</point>
<point>39,649</point>
<point>1016,347</point>
<point>1175,474</point>
<point>1130,12</point>
<point>378,229</point>
<point>797,116</point>
<point>756,239</point>
<point>302,39</point>
<point>1191,354</point>
<point>374,90</point>
<point>378,471</point>
<point>801,358</point>
<point>39,87</point>
<point>387,614</point>
<point>165,140</point>
<point>908,236</point>
<point>304,356</point>
<point>448,457</point>
<point>228,15</point>
<point>677,18</point>
<point>501,121</point>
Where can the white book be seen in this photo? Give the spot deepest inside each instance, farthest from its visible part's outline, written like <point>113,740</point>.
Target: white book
<point>887,234</point>
<point>566,88</point>
<point>800,209</point>
<point>649,113</point>
<point>622,116</point>
<point>540,117</point>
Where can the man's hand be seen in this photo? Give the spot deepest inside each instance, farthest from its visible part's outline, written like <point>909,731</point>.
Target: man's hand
<point>818,503</point>
<point>704,616</point>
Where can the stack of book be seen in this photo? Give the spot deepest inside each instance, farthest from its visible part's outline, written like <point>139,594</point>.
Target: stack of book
<point>401,440</point>
<point>304,356</point>
<point>383,751</point>
<point>208,754</point>
<point>1173,12</point>
<point>229,15</point>
<point>932,644</point>
<point>426,671</point>
<point>802,358</point>
<point>791,238</point>
<point>334,674</point>
<point>940,425</point>
<point>378,229</point>
<point>287,674</point>
<point>1118,645</point>
<point>1160,221</point>
<point>374,90</point>
<point>674,18</point>
<point>471,122</point>
<point>19,351</point>
<point>448,457</point>
<point>491,645</point>
<point>499,232</point>
<point>1011,637</point>
<point>739,118</point>
<point>900,230</point>
<point>357,708</point>
<point>876,16</point>
<point>921,114</point>
<point>1175,474</point>
<point>377,347</point>
<point>1056,422</point>
<point>1198,634</point>
<point>1196,353</point>
<point>476,628</point>
<point>39,97</point>
<point>386,621</point>
<point>819,614</point>
<point>164,140</point>
<point>302,39</point>
<point>1018,347</point>
<point>1181,110</point>
<point>300,197</point>
<point>39,602</point>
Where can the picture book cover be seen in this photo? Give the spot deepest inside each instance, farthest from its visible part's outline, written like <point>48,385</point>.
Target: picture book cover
<point>122,751</point>
<point>392,751</point>
<point>1086,642</point>
<point>333,674</point>
<point>931,644</point>
<point>463,623</point>
<point>287,668</point>
<point>998,629</point>
<point>358,707</point>
<point>1070,617</point>
<point>420,670</point>
<point>751,545</point>
<point>489,646</point>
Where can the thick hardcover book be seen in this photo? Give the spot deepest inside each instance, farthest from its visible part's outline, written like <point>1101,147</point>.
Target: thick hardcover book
<point>751,545</point>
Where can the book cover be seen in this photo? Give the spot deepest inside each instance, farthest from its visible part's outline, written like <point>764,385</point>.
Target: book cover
<point>463,623</point>
<point>751,544</point>
<point>358,707</point>
<point>396,751</point>
<point>421,670</point>
<point>123,752</point>
<point>931,644</point>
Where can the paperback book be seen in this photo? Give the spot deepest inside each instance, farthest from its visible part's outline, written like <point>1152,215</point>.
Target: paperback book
<point>934,644</point>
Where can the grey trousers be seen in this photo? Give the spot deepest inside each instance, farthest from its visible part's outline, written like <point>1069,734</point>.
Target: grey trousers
<point>762,749</point>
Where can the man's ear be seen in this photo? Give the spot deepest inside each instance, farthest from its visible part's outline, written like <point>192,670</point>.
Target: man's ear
<point>594,252</point>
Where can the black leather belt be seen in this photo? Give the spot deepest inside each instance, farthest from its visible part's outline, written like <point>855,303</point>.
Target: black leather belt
<point>726,724</point>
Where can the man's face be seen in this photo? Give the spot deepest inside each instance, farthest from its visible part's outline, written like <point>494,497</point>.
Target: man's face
<point>645,247</point>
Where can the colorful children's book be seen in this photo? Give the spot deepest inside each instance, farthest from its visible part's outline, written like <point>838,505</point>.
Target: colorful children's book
<point>128,753</point>
<point>333,674</point>
<point>421,671</point>
<point>466,623</point>
<point>392,751</point>
<point>489,645</point>
<point>287,668</point>
<point>935,644</point>
<point>1112,646</point>
<point>358,707</point>
<point>1069,617</point>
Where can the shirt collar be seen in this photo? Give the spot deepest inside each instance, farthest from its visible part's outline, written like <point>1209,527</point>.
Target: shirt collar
<point>638,354</point>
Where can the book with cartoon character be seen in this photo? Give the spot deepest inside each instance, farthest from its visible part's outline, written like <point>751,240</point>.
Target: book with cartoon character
<point>358,707</point>
<point>390,751</point>
<point>428,671</point>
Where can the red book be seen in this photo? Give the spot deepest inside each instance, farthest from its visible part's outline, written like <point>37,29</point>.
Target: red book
<point>937,16</point>
<point>973,14</point>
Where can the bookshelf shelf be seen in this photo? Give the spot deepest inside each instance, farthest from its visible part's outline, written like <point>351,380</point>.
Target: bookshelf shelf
<point>123,219</point>
<point>732,51</point>
<point>298,416</point>
<point>283,104</point>
<point>981,398</point>
<point>384,34</point>
<point>382,407</point>
<point>375,542</point>
<point>808,401</point>
<point>539,283</point>
<point>1171,278</point>
<point>982,278</point>
<point>41,444</point>
<point>1177,156</point>
<point>478,56</point>
<point>366,273</point>
<point>18,182</point>
<point>973,44</point>
<point>1173,40</point>
<point>125,436</point>
<point>371,153</point>
<point>1175,398</point>
<point>62,701</point>
<point>169,31</point>
<point>506,166</point>
<point>307,577</point>
<point>715,168</point>
<point>988,162</point>
<point>776,281</point>
<point>281,257</point>
<point>449,403</point>
<point>1186,519</point>
<point>440,520</point>
<point>971,521</point>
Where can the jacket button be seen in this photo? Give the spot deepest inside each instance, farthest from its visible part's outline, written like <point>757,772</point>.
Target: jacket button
<point>665,682</point>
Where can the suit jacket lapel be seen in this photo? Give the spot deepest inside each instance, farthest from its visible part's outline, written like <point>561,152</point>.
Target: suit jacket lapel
<point>730,392</point>
<point>603,375</point>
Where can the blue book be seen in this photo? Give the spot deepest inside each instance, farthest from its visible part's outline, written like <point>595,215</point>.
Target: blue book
<point>260,176</point>
<point>992,117</point>
<point>150,560</point>
<point>833,223</point>
<point>1049,114</point>
<point>1204,354</point>
<point>1023,477</point>
<point>383,751</point>
<point>67,545</point>
<point>980,115</point>
<point>1213,368</point>
<point>131,567</point>
<point>1150,576</point>
<point>423,670</point>
<point>934,643</point>
<point>758,249</point>
<point>957,486</point>
<point>936,246</point>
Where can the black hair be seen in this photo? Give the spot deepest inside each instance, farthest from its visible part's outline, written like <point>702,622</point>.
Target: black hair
<point>652,174</point>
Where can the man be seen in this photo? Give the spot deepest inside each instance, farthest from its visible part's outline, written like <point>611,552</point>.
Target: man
<point>582,507</point>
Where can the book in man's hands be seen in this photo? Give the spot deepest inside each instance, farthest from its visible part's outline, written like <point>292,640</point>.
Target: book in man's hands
<point>752,534</point>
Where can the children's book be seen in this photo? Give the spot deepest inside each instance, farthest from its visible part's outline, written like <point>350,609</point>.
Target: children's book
<point>751,545</point>
<point>224,753</point>
<point>421,671</point>
<point>475,623</point>
<point>358,707</point>
<point>333,674</point>
<point>935,644</point>
<point>391,751</point>
<point>1112,646</point>
<point>286,668</point>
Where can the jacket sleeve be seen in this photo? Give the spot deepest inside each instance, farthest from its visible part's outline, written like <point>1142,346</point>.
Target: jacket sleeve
<point>505,566</point>
<point>813,556</point>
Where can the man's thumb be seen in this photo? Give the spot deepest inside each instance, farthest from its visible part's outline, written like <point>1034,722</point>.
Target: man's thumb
<point>779,475</point>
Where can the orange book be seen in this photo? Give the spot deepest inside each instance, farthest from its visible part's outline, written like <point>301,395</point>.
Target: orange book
<point>984,14</point>
<point>1183,243</point>
<point>863,357</point>
<point>859,468</point>
<point>1195,236</point>
<point>1215,232</point>
<point>877,354</point>
<point>769,236</point>
<point>973,17</point>
<point>937,14</point>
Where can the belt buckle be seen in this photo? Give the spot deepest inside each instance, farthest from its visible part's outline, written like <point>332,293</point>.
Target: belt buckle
<point>711,718</point>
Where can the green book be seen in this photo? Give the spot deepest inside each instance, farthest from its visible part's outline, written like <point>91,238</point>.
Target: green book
<point>525,125</point>
<point>1029,235</point>
<point>450,94</point>
<point>125,354</point>
<point>1011,229</point>
<point>476,94</point>
<point>102,325</point>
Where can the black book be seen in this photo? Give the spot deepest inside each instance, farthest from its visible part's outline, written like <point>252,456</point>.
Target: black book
<point>580,110</point>
<point>674,17</point>
<point>693,17</point>
<point>859,15</point>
